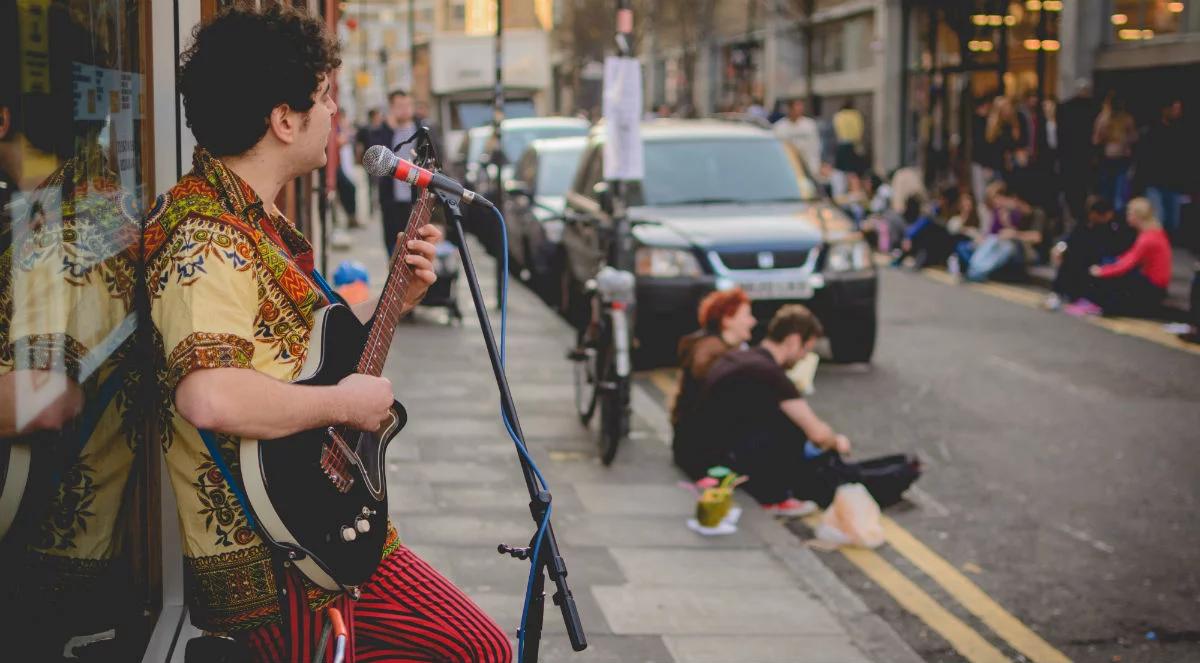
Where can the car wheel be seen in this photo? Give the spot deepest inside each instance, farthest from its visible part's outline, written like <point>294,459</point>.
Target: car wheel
<point>852,336</point>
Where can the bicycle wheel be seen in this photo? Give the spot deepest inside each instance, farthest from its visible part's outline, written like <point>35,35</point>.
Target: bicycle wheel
<point>614,415</point>
<point>587,375</point>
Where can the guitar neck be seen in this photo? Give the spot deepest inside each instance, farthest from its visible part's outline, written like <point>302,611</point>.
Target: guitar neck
<point>397,289</point>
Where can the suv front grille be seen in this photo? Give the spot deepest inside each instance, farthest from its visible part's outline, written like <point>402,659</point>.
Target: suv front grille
<point>744,260</point>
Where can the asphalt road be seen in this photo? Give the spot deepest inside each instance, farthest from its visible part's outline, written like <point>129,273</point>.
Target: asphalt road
<point>1063,469</point>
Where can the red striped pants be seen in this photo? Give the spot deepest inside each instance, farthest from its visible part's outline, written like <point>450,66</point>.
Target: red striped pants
<point>407,612</point>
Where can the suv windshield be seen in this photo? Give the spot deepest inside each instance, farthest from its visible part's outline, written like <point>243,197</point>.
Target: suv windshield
<point>707,171</point>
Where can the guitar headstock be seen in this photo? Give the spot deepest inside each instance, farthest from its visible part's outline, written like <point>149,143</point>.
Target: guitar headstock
<point>425,152</point>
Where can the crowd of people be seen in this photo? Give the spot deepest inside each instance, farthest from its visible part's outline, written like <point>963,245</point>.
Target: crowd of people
<point>1082,187</point>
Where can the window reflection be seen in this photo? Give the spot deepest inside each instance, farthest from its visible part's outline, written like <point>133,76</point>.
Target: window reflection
<point>71,197</point>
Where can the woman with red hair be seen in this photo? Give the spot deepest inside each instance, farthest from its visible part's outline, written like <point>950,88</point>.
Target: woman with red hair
<point>726,324</point>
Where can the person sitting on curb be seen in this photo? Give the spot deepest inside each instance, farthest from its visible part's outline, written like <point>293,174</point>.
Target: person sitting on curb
<point>756,416</point>
<point>1136,284</point>
<point>1102,237</point>
<point>1002,252</point>
<point>725,324</point>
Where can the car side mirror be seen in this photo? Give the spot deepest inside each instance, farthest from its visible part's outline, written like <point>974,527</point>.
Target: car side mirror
<point>603,195</point>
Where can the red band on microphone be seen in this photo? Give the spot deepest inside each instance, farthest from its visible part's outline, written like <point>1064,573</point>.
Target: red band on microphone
<point>414,175</point>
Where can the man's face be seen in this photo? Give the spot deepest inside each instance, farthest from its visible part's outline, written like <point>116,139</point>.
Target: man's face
<point>401,109</point>
<point>313,136</point>
<point>1099,218</point>
<point>796,109</point>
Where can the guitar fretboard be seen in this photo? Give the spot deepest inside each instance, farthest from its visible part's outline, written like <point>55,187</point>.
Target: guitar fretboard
<point>395,290</point>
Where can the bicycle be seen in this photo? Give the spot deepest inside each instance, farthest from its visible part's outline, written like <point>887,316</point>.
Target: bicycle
<point>602,358</point>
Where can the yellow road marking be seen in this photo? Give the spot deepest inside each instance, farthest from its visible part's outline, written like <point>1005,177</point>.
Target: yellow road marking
<point>1021,637</point>
<point>965,640</point>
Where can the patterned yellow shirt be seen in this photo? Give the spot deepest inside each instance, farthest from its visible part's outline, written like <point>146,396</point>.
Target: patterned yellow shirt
<point>227,289</point>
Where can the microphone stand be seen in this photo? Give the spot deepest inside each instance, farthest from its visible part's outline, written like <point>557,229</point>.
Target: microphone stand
<point>549,559</point>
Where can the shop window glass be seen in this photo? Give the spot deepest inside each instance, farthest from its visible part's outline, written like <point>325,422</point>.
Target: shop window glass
<point>74,156</point>
<point>1141,20</point>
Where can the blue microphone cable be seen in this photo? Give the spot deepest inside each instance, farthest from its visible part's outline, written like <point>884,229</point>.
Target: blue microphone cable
<point>520,444</point>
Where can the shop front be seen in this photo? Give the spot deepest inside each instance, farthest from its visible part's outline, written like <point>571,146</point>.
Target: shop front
<point>91,132</point>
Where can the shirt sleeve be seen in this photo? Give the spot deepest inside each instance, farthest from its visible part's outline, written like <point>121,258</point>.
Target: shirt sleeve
<point>205,298</point>
<point>1126,261</point>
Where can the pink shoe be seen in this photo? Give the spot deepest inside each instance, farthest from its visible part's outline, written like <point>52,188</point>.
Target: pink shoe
<point>791,508</point>
<point>1082,309</point>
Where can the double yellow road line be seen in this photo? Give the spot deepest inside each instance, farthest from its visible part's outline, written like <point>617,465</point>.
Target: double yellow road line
<point>964,639</point>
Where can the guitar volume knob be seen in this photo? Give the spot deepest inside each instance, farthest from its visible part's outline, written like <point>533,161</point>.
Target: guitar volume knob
<point>349,533</point>
<point>362,525</point>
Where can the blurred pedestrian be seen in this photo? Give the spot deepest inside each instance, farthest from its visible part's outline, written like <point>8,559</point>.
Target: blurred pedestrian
<point>362,140</point>
<point>346,191</point>
<point>396,197</point>
<point>985,160</point>
<point>1003,133</point>
<point>1136,283</point>
<point>756,109</point>
<point>725,324</point>
<point>1164,164</point>
<point>1115,134</point>
<point>803,134</point>
<point>849,128</point>
<point>1098,240</point>
<point>1074,127</point>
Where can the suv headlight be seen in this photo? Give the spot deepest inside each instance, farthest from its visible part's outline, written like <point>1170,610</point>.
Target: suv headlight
<point>666,263</point>
<point>848,257</point>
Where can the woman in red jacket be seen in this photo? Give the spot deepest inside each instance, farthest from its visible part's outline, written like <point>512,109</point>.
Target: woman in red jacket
<point>1136,283</point>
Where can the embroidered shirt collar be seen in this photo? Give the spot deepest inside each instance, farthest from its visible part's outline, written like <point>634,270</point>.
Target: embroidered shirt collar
<point>237,196</point>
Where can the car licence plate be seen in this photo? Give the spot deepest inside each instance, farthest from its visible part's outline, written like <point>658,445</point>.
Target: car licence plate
<point>778,289</point>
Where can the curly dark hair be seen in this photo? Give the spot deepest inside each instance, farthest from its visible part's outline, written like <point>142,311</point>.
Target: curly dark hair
<point>246,62</point>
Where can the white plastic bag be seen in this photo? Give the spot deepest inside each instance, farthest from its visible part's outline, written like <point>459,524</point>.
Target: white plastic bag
<point>852,519</point>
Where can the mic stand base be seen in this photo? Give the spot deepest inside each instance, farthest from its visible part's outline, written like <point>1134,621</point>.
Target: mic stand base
<point>549,560</point>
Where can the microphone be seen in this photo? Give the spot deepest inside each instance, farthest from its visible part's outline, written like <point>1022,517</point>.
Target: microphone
<point>382,162</point>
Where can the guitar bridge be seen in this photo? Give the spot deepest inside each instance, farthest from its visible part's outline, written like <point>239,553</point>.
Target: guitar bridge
<point>336,467</point>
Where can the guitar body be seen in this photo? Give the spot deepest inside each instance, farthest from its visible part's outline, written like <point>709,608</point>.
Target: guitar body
<point>308,499</point>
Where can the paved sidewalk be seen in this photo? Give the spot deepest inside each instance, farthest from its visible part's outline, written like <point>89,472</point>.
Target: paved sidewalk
<point>648,589</point>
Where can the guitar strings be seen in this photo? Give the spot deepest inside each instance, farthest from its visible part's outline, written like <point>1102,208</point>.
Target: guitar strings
<point>375,351</point>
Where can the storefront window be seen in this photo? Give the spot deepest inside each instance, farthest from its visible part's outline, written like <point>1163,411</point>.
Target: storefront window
<point>1141,20</point>
<point>74,161</point>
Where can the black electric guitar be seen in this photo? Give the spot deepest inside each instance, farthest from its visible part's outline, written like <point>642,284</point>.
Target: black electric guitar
<point>321,494</point>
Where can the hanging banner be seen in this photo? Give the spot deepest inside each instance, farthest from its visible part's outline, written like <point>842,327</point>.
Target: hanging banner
<point>622,119</point>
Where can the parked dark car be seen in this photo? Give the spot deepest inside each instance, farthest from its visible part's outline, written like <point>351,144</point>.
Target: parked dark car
<point>534,203</point>
<point>471,160</point>
<point>723,204</point>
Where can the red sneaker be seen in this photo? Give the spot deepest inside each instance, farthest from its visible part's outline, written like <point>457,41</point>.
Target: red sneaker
<point>791,508</point>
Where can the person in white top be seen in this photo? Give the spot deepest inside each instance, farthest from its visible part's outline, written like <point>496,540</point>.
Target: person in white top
<point>802,132</point>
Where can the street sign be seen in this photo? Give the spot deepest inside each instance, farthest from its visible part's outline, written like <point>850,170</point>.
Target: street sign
<point>622,119</point>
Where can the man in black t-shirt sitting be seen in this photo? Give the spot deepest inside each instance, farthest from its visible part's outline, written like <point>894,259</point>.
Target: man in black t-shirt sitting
<point>759,418</point>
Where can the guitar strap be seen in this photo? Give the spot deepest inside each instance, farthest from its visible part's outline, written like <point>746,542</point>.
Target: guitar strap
<point>330,293</point>
<point>214,450</point>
